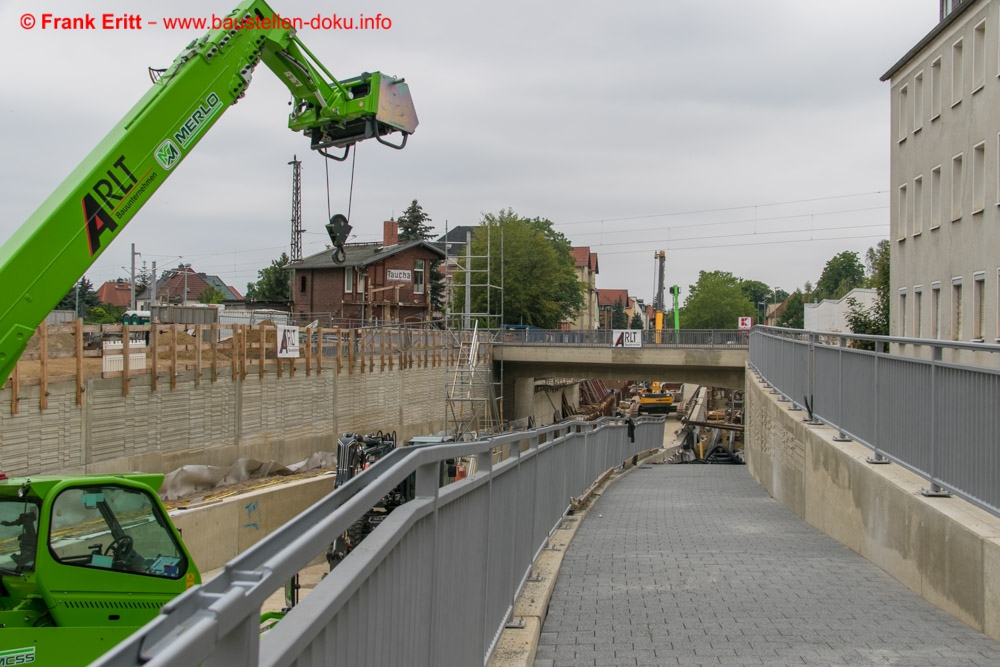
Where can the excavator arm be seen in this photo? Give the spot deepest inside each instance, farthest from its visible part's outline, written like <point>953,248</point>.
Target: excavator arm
<point>49,253</point>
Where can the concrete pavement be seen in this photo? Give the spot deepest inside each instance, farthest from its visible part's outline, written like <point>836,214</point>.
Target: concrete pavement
<point>698,565</point>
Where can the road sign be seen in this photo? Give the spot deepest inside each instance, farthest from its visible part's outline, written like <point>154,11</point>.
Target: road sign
<point>746,323</point>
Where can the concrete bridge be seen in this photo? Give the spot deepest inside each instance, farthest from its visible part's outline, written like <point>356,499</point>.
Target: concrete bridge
<point>711,358</point>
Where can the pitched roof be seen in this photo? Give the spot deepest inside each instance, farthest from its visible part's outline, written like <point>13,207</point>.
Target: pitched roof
<point>584,258</point>
<point>606,298</point>
<point>456,238</point>
<point>116,292</point>
<point>361,254</point>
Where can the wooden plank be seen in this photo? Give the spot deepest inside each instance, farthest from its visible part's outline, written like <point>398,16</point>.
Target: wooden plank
<point>154,344</point>
<point>197,355</point>
<point>43,351</point>
<point>15,386</point>
<point>78,325</point>
<point>309,347</point>
<point>126,358</point>
<point>263,339</point>
<point>173,356</point>
<point>350,351</point>
<point>215,352</point>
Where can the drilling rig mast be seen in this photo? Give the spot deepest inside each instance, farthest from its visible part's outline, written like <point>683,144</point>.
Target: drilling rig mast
<point>296,253</point>
<point>661,258</point>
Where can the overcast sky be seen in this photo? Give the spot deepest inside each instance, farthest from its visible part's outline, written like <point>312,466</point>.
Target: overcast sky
<point>746,136</point>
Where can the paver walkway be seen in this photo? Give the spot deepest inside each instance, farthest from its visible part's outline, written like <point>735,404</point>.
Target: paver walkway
<point>698,565</point>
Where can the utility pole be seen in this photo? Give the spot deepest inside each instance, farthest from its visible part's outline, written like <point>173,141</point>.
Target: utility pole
<point>297,230</point>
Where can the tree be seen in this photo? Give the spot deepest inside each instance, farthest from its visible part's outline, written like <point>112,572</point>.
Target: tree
<point>636,322</point>
<point>794,314</point>
<point>841,274</point>
<point>619,320</point>
<point>105,314</point>
<point>874,320</point>
<point>715,302</point>
<point>413,223</point>
<point>86,298</point>
<point>143,279</point>
<point>540,287</point>
<point>211,295</point>
<point>274,283</point>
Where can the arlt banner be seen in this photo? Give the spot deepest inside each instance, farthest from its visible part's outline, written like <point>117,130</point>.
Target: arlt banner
<point>288,342</point>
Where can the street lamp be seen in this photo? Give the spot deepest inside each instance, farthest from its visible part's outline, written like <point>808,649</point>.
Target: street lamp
<point>763,310</point>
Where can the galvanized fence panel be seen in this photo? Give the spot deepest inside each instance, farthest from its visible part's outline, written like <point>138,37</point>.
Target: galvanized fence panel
<point>452,559</point>
<point>937,419</point>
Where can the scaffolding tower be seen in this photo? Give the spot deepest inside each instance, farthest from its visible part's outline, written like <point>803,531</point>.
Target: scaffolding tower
<point>474,404</point>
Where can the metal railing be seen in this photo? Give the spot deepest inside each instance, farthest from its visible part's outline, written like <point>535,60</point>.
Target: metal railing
<point>934,417</point>
<point>433,585</point>
<point>710,338</point>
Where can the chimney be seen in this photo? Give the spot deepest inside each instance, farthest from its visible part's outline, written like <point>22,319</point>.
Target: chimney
<point>390,233</point>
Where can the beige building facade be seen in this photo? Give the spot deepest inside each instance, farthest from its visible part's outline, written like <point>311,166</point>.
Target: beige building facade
<point>945,181</point>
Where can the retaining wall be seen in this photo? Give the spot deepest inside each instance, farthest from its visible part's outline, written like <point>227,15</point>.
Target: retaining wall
<point>211,423</point>
<point>944,549</point>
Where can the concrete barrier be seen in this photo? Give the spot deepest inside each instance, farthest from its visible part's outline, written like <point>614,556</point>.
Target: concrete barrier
<point>944,549</point>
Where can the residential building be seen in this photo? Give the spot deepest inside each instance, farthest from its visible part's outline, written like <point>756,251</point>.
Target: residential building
<point>183,286</point>
<point>945,181</point>
<point>586,272</point>
<point>116,292</point>
<point>376,282</point>
<point>606,300</point>
<point>831,314</point>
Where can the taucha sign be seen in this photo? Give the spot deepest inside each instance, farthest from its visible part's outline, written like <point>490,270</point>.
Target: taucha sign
<point>398,274</point>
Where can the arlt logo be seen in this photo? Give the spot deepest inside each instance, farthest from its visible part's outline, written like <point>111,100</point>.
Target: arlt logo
<point>627,338</point>
<point>168,154</point>
<point>98,204</point>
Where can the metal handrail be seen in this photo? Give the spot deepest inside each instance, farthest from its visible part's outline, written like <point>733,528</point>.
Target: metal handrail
<point>481,534</point>
<point>934,417</point>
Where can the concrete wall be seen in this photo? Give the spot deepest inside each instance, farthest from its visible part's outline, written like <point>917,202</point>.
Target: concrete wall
<point>944,549</point>
<point>218,532</point>
<point>285,419</point>
<point>831,314</point>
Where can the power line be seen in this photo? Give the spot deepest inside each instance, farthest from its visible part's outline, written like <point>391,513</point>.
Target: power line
<point>720,210</point>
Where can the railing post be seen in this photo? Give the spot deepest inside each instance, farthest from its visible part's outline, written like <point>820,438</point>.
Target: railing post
<point>878,457</point>
<point>935,491</point>
<point>841,436</point>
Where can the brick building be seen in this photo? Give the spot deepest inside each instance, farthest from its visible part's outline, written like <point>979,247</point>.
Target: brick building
<point>385,282</point>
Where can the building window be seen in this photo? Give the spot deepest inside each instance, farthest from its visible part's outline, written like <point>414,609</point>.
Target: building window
<point>918,312</point>
<point>978,177</point>
<point>902,313</point>
<point>956,309</point>
<point>956,188</point>
<point>348,279</point>
<point>361,284</point>
<point>918,102</point>
<point>904,113</point>
<point>978,57</point>
<point>936,310</point>
<point>956,73</point>
<point>936,89</point>
<point>917,209</point>
<point>935,213</point>
<point>978,306</point>
<point>302,284</point>
<point>418,276</point>
<point>901,218</point>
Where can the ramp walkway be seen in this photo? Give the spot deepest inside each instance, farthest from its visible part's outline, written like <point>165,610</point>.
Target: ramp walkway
<point>698,565</point>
